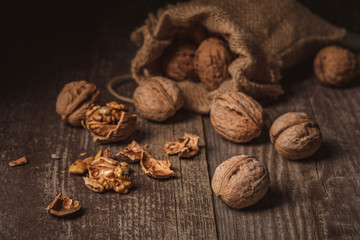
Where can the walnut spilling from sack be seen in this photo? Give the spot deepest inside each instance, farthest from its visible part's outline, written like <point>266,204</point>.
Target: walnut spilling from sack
<point>18,162</point>
<point>110,123</point>
<point>62,206</point>
<point>186,147</point>
<point>106,173</point>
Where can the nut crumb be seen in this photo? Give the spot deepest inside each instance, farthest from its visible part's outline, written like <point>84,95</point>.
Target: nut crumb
<point>55,156</point>
<point>62,206</point>
<point>18,162</point>
<point>83,154</point>
<point>37,167</point>
<point>62,171</point>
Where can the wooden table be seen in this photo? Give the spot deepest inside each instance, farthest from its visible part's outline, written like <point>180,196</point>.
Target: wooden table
<point>316,198</point>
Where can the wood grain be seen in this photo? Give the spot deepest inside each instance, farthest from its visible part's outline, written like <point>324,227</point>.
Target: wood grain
<point>316,198</point>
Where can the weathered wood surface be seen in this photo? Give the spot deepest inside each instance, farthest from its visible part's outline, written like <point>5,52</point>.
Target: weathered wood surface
<point>317,198</point>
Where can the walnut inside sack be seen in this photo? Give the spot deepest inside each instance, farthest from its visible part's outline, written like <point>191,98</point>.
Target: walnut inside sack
<point>178,61</point>
<point>211,62</point>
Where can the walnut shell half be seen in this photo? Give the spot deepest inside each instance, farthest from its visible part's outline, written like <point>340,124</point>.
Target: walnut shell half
<point>75,99</point>
<point>336,66</point>
<point>155,168</point>
<point>62,206</point>
<point>157,98</point>
<point>240,181</point>
<point>110,123</point>
<point>237,117</point>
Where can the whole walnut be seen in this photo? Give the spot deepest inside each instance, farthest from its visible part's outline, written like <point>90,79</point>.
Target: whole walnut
<point>240,181</point>
<point>74,99</point>
<point>178,62</point>
<point>157,98</point>
<point>110,123</point>
<point>295,136</point>
<point>237,117</point>
<point>336,66</point>
<point>211,62</point>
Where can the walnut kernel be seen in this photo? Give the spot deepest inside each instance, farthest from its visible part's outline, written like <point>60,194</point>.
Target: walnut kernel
<point>110,123</point>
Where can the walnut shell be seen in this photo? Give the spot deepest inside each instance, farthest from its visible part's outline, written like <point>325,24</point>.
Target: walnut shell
<point>62,206</point>
<point>110,123</point>
<point>237,117</point>
<point>240,181</point>
<point>155,168</point>
<point>295,136</point>
<point>178,62</point>
<point>74,99</point>
<point>211,62</point>
<point>157,98</point>
<point>336,66</point>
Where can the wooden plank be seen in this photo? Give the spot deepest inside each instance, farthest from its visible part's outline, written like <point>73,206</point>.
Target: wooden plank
<point>316,198</point>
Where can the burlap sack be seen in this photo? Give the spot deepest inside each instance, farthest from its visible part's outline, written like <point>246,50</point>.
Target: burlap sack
<point>266,36</point>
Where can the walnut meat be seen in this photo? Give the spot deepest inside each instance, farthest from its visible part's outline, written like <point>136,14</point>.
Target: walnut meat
<point>336,66</point>
<point>295,136</point>
<point>110,174</point>
<point>75,99</point>
<point>178,62</point>
<point>237,117</point>
<point>240,181</point>
<point>110,123</point>
<point>157,99</point>
<point>211,62</point>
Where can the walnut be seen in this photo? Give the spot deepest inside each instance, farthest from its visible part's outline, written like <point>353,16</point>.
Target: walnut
<point>240,181</point>
<point>110,174</point>
<point>110,123</point>
<point>74,99</point>
<point>336,66</point>
<point>187,146</point>
<point>211,62</point>
<point>62,206</point>
<point>178,62</point>
<point>295,136</point>
<point>18,162</point>
<point>155,168</point>
<point>237,117</point>
<point>157,99</point>
<point>132,153</point>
